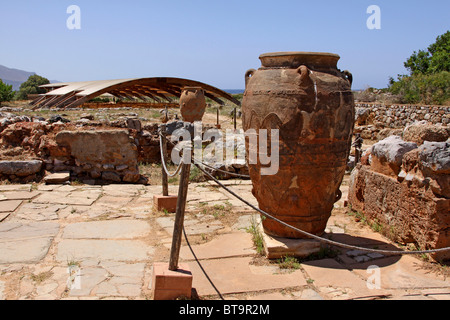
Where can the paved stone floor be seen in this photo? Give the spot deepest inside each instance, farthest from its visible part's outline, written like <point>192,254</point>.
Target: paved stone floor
<point>100,242</point>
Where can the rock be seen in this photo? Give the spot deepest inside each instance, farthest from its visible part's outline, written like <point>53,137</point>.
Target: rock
<point>111,176</point>
<point>361,116</point>
<point>82,122</point>
<point>421,132</point>
<point>20,168</point>
<point>435,157</point>
<point>87,116</point>
<point>392,149</point>
<point>434,161</point>
<point>131,177</point>
<point>58,118</point>
<point>134,124</point>
<point>95,173</point>
<point>57,178</point>
<point>384,133</point>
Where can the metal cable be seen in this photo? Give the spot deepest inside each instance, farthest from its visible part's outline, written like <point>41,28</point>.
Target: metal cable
<point>163,160</point>
<point>216,169</point>
<point>200,265</point>
<point>211,167</point>
<point>331,242</point>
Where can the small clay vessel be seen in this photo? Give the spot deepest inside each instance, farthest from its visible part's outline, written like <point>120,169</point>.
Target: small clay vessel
<point>192,104</point>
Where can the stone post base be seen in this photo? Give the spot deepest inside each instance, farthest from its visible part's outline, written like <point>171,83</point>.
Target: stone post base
<point>168,203</point>
<point>170,285</point>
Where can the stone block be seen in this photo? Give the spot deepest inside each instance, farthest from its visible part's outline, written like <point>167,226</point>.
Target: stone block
<point>168,203</point>
<point>277,247</point>
<point>20,168</point>
<point>57,178</point>
<point>170,285</point>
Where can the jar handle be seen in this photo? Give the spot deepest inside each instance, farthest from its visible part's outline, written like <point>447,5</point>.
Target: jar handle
<point>348,75</point>
<point>303,71</point>
<point>248,75</point>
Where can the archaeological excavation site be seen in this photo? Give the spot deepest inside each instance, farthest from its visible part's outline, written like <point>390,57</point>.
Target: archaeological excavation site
<point>168,188</point>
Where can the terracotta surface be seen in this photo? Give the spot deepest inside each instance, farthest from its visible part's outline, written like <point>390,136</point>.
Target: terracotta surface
<point>168,203</point>
<point>310,101</point>
<point>192,104</point>
<point>170,285</point>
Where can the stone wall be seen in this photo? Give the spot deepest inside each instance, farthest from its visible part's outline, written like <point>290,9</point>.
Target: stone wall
<point>376,121</point>
<point>397,116</point>
<point>109,155</point>
<point>405,187</point>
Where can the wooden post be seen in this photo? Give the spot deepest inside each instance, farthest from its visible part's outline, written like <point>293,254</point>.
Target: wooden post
<point>165,182</point>
<point>217,116</point>
<point>166,114</point>
<point>181,205</point>
<point>234,118</point>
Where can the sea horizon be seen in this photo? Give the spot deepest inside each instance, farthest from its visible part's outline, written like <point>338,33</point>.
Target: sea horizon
<point>234,91</point>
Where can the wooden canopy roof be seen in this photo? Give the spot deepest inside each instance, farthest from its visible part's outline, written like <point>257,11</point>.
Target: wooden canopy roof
<point>159,89</point>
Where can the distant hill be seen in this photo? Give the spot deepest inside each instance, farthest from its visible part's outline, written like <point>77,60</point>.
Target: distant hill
<point>16,77</point>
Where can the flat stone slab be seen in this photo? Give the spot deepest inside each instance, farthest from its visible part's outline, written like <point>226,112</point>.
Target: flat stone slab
<point>277,247</point>
<point>109,278</point>
<point>337,282</point>
<point>114,202</point>
<point>57,178</point>
<point>24,251</point>
<point>65,198</point>
<point>201,225</point>
<point>9,205</point>
<point>20,231</point>
<point>15,187</point>
<point>116,229</point>
<point>117,250</point>
<point>38,212</point>
<point>220,247</point>
<point>18,195</point>
<point>26,243</point>
<point>236,275</point>
<point>403,273</point>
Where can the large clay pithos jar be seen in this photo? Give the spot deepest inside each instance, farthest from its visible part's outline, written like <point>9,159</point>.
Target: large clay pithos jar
<point>306,97</point>
<point>192,104</point>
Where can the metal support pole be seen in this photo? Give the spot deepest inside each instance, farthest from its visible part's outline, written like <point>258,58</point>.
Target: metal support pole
<point>165,183</point>
<point>181,205</point>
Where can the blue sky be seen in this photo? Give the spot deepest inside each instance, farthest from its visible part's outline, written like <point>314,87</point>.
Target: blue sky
<point>212,41</point>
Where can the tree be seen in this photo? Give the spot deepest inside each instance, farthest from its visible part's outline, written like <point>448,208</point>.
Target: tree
<point>435,59</point>
<point>31,86</point>
<point>429,78</point>
<point>6,92</point>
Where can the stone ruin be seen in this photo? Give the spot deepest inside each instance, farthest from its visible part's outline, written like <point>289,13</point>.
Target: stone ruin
<point>88,151</point>
<point>403,184</point>
<point>57,150</point>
